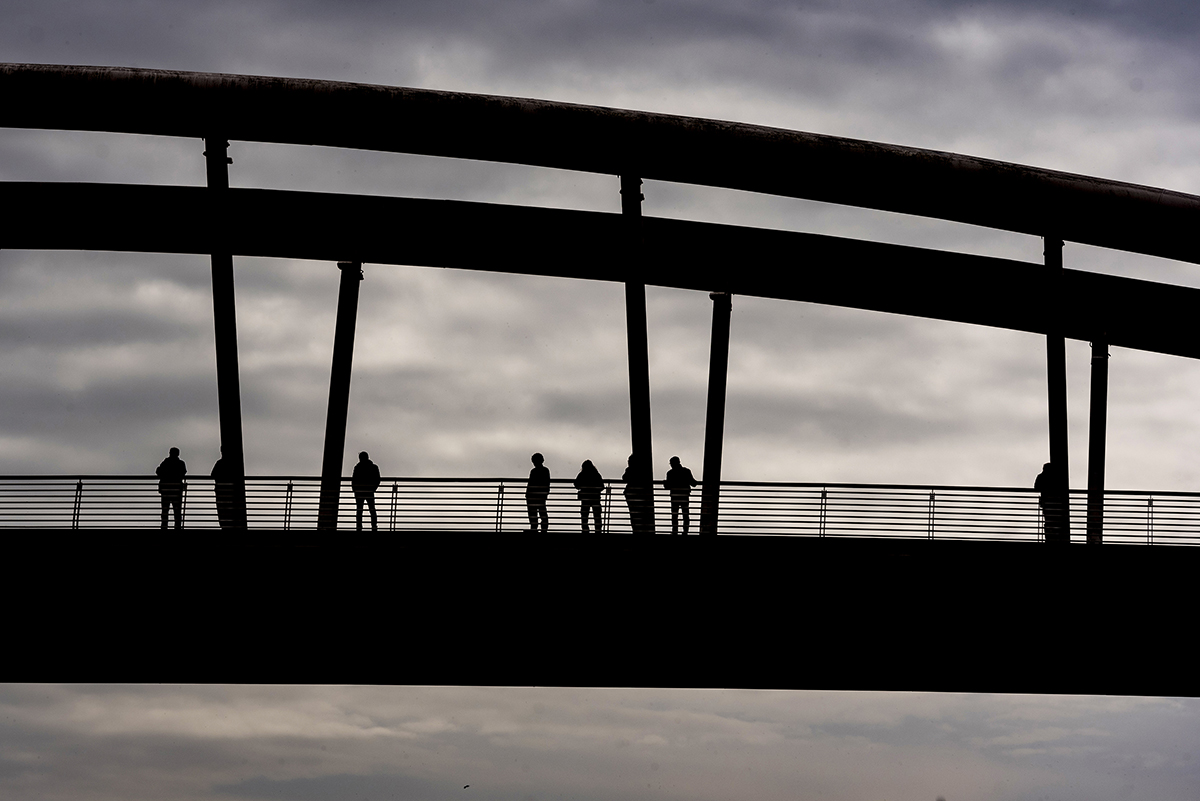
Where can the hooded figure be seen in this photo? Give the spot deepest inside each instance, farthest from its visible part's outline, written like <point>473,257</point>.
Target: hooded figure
<point>589,483</point>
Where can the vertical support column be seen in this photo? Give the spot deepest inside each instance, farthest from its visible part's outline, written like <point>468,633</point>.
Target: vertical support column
<point>229,393</point>
<point>1058,513</point>
<point>1097,430</point>
<point>714,420</point>
<point>339,395</point>
<point>639,358</point>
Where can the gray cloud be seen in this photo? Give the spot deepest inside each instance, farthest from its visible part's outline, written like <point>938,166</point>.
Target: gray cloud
<point>303,743</point>
<point>459,373</point>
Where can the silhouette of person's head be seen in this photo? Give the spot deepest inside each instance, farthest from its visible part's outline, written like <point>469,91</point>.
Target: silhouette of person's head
<point>537,459</point>
<point>174,451</point>
<point>362,456</point>
<point>675,461</point>
<point>588,466</point>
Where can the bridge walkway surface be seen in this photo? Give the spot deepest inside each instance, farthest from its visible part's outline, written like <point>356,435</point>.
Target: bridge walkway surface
<point>459,608</point>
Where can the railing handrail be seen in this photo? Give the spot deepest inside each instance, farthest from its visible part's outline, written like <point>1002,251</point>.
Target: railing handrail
<point>514,480</point>
<point>424,503</point>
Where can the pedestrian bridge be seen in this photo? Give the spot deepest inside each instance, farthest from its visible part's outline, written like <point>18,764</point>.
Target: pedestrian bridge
<point>636,250</point>
<point>835,586</point>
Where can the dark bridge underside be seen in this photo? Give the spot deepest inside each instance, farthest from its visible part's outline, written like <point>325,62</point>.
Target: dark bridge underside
<point>747,612</point>
<point>756,158</point>
<point>576,244</point>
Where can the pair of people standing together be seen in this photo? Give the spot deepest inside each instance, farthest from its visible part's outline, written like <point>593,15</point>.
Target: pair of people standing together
<point>589,484</point>
<point>172,470</point>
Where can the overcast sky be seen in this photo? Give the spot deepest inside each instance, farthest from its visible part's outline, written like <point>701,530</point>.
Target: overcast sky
<point>108,361</point>
<point>108,358</point>
<point>161,743</point>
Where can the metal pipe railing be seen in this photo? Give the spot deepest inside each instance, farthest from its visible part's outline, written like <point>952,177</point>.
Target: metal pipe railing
<point>748,508</point>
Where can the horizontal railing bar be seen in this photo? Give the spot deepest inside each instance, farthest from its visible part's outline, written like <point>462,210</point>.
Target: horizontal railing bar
<point>518,483</point>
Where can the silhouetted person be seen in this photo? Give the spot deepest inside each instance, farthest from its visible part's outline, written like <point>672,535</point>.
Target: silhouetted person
<point>589,483</point>
<point>679,483</point>
<point>223,490</point>
<point>536,493</point>
<point>636,500</point>
<point>170,486</point>
<point>364,481</point>
<point>1052,496</point>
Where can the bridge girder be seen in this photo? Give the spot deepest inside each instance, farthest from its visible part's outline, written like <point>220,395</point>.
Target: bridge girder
<point>816,268</point>
<point>756,158</point>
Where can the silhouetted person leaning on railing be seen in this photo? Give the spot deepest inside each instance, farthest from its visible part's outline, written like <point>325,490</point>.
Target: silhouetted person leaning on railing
<point>679,483</point>
<point>536,493</point>
<point>1052,499</point>
<point>223,490</point>
<point>590,484</point>
<point>364,481</point>
<point>170,474</point>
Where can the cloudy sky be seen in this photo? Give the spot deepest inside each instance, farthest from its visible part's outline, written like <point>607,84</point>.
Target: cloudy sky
<point>108,358</point>
<point>163,743</point>
<point>108,361</point>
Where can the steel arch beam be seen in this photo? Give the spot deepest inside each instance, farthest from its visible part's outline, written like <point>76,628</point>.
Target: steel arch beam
<point>755,158</point>
<point>535,241</point>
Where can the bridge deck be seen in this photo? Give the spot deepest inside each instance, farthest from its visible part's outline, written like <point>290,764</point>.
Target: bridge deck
<point>439,608</point>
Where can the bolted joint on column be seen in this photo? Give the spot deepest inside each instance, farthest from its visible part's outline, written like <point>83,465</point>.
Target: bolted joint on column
<point>631,194</point>
<point>217,161</point>
<point>352,265</point>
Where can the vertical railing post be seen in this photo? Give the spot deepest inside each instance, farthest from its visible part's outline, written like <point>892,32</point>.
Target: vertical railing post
<point>499,507</point>
<point>639,358</point>
<point>339,396</point>
<point>229,394</point>
<point>1097,425</point>
<point>1150,520</point>
<point>931,508</point>
<point>607,506</point>
<point>78,504</point>
<point>287,507</point>
<point>1058,518</point>
<point>393,512</point>
<point>714,422</point>
<point>821,523</point>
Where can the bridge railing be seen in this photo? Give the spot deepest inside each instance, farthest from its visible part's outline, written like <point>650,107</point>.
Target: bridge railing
<point>289,503</point>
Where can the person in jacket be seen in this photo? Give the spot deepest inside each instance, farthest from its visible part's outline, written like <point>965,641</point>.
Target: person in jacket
<point>589,483</point>
<point>679,483</point>
<point>536,493</point>
<point>223,491</point>
<point>1052,495</point>
<point>637,501</point>
<point>364,481</point>
<point>170,474</point>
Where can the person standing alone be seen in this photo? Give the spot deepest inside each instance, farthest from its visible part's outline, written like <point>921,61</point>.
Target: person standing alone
<point>364,481</point>
<point>590,484</point>
<point>536,493</point>
<point>679,483</point>
<point>170,485</point>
